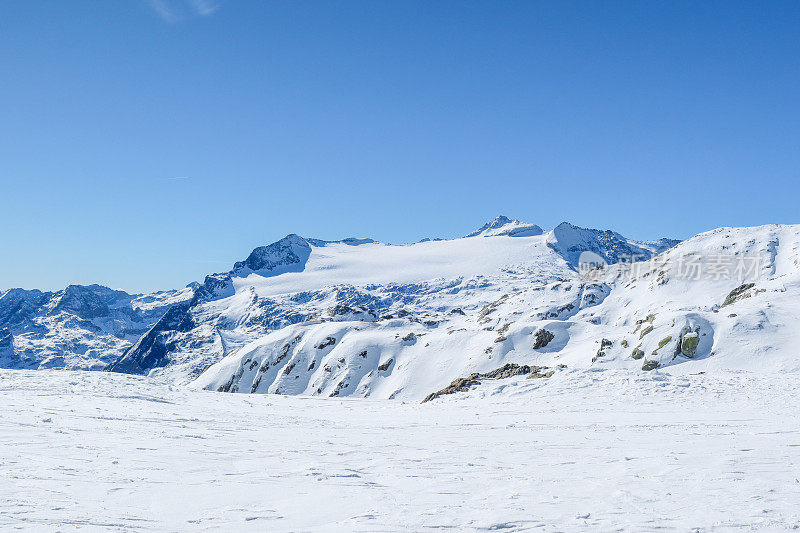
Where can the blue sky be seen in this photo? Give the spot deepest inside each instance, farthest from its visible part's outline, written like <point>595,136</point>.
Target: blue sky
<point>144,144</point>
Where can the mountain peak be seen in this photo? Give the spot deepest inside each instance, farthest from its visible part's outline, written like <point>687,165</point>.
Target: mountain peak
<point>511,227</point>
<point>79,300</point>
<point>286,255</point>
<point>571,241</point>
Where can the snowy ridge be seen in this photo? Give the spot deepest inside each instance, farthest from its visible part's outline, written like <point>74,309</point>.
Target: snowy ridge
<point>571,241</point>
<point>414,316</point>
<point>361,318</point>
<point>650,317</point>
<point>80,327</point>
<point>505,226</point>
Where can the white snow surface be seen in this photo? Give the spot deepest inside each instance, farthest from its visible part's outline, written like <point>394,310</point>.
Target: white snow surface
<point>451,308</point>
<point>599,450</point>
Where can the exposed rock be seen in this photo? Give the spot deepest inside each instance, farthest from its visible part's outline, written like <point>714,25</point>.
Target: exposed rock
<point>663,342</point>
<point>571,242</point>
<point>650,365</point>
<point>81,301</point>
<point>214,287</point>
<point>6,338</point>
<point>339,386</point>
<point>637,353</point>
<point>151,351</point>
<point>739,293</point>
<point>491,308</point>
<point>689,344</point>
<point>542,338</point>
<point>506,371</point>
<point>329,341</point>
<point>286,255</point>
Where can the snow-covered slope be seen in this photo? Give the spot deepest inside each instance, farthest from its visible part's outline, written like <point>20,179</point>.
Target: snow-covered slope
<point>82,327</point>
<point>362,318</point>
<point>724,299</point>
<point>366,318</point>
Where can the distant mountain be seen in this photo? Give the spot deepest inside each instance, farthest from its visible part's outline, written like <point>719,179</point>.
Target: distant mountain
<point>505,226</point>
<point>571,241</point>
<point>80,327</point>
<point>358,317</point>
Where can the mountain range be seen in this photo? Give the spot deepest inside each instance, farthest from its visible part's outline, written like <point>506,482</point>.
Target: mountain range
<point>361,318</point>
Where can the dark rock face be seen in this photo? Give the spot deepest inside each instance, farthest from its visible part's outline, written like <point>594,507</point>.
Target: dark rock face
<point>329,341</point>
<point>506,371</point>
<point>6,339</point>
<point>604,343</point>
<point>214,287</point>
<point>739,293</point>
<point>287,255</point>
<point>571,241</point>
<point>342,311</point>
<point>81,326</point>
<point>542,339</point>
<point>153,348</point>
<point>650,365</point>
<point>19,306</point>
<point>80,301</point>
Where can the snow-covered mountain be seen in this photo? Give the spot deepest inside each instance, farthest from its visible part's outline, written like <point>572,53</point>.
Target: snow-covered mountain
<point>404,322</point>
<point>360,318</point>
<point>371,319</point>
<point>80,327</point>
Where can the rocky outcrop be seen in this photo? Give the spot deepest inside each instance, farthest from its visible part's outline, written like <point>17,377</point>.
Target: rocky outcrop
<point>604,344</point>
<point>542,338</point>
<point>151,351</point>
<point>608,246</point>
<point>650,365</point>
<point>739,293</point>
<point>506,371</point>
<point>6,343</point>
<point>689,344</point>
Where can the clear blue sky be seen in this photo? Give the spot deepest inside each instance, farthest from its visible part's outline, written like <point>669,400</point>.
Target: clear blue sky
<point>144,144</point>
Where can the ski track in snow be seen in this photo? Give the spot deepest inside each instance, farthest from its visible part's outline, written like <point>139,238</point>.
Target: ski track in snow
<point>597,450</point>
